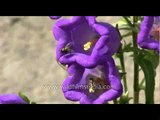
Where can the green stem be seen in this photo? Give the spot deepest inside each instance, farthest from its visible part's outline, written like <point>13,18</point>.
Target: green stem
<point>136,67</point>
<point>128,21</point>
<point>121,58</point>
<point>115,101</point>
<point>142,82</point>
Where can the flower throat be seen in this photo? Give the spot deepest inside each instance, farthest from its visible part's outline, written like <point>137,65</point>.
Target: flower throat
<point>90,43</point>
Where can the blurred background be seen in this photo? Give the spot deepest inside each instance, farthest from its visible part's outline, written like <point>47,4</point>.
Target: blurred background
<point>27,60</point>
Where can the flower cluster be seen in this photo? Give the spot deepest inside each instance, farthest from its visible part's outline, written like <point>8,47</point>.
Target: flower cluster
<point>86,47</point>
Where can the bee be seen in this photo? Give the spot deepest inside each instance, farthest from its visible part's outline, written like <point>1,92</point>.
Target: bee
<point>67,48</point>
<point>98,82</point>
<point>91,85</point>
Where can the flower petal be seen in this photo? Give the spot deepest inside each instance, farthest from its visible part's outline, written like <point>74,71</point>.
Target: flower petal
<point>146,26</point>
<point>144,40</point>
<point>54,17</point>
<point>107,96</point>
<point>78,77</point>
<point>11,99</point>
<point>78,31</point>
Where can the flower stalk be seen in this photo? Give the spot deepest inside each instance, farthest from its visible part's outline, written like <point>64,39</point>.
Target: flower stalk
<point>136,67</point>
<point>121,58</point>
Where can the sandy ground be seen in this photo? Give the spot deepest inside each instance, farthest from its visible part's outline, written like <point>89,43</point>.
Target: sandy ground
<point>27,60</point>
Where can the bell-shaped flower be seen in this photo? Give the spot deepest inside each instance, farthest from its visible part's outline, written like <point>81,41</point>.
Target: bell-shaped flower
<point>85,41</point>
<point>149,35</point>
<point>93,86</point>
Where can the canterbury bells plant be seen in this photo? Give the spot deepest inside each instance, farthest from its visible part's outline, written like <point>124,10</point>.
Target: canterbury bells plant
<point>93,54</point>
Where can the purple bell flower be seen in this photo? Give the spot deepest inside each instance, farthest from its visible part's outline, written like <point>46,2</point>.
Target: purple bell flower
<point>93,86</point>
<point>85,41</point>
<point>54,17</point>
<point>149,35</point>
<point>11,99</point>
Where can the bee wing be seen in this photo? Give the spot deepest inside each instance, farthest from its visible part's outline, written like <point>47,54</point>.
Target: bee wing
<point>62,66</point>
<point>69,45</point>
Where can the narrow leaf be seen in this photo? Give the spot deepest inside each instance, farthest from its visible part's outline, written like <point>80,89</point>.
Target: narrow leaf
<point>148,71</point>
<point>128,21</point>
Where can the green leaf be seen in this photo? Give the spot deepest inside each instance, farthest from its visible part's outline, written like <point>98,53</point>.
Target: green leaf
<point>124,99</point>
<point>148,71</point>
<point>128,48</point>
<point>125,28</point>
<point>25,98</point>
<point>127,34</point>
<point>153,57</point>
<point>141,86</point>
<point>120,23</point>
<point>122,74</point>
<point>115,101</point>
<point>128,21</point>
<point>31,102</point>
<point>140,18</point>
<point>118,67</point>
<point>128,28</point>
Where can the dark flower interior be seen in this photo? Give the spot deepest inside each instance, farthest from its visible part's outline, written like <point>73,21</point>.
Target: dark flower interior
<point>155,31</point>
<point>83,37</point>
<point>94,82</point>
